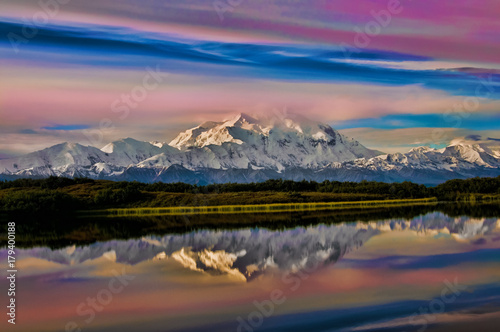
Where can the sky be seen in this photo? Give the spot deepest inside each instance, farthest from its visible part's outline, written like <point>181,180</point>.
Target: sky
<point>392,74</point>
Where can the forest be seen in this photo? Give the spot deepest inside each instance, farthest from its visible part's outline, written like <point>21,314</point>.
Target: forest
<point>58,194</point>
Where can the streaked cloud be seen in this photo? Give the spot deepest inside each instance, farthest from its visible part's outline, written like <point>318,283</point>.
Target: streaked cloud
<point>489,121</point>
<point>300,55</point>
<point>67,127</point>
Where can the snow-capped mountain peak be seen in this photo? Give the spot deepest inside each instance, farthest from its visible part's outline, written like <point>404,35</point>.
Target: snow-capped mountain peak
<point>129,151</point>
<point>485,144</point>
<point>59,155</point>
<point>257,147</point>
<point>218,133</point>
<point>274,141</point>
<point>421,149</point>
<point>428,165</point>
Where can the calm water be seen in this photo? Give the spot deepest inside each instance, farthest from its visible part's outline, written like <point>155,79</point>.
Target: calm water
<point>428,272</point>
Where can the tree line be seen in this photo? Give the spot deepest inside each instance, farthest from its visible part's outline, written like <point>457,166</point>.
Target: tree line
<point>66,194</point>
<point>473,185</point>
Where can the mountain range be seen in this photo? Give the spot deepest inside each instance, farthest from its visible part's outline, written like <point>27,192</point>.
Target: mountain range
<point>252,148</point>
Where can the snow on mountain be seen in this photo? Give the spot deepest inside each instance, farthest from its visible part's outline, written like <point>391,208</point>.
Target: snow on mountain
<point>72,159</point>
<point>158,144</point>
<point>53,158</point>
<point>256,148</point>
<point>455,157</point>
<point>488,144</point>
<point>272,141</point>
<point>129,151</point>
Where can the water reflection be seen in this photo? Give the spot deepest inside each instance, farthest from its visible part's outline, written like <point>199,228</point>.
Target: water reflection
<point>61,231</point>
<point>248,253</point>
<point>336,272</point>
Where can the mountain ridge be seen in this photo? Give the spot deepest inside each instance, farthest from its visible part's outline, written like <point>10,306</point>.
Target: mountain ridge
<point>252,148</point>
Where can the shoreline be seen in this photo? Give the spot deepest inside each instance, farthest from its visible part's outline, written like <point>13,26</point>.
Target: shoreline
<point>257,208</point>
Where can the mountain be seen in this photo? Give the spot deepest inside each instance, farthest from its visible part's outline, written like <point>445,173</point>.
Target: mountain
<point>54,160</point>
<point>129,151</point>
<point>72,159</point>
<point>431,166</point>
<point>253,148</point>
<point>271,141</point>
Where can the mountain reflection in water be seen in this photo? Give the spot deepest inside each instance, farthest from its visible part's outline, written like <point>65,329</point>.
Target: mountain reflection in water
<point>334,271</point>
<point>253,251</point>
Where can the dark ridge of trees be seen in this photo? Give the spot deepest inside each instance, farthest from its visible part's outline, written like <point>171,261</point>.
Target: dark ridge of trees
<point>364,187</point>
<point>58,194</point>
<point>456,189</point>
<point>43,201</point>
<point>52,182</point>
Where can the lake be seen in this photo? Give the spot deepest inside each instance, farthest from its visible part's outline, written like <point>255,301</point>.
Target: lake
<point>430,268</point>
